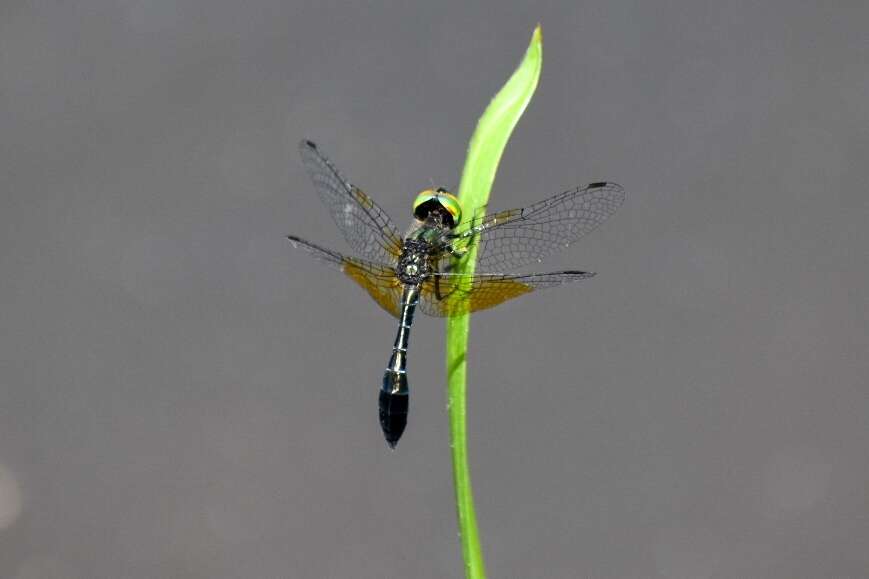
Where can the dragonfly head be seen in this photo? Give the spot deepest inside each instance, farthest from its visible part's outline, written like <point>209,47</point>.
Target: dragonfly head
<point>439,204</point>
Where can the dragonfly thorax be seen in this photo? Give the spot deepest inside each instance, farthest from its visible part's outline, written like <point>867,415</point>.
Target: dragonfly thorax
<point>414,264</point>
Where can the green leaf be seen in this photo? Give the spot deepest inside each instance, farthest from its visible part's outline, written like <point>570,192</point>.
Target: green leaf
<point>484,153</point>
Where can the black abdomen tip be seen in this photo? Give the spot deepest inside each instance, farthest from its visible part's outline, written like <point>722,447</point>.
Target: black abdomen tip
<point>393,416</point>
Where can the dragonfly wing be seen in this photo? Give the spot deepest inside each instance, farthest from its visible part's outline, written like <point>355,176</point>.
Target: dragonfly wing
<point>366,227</point>
<point>449,294</point>
<point>377,279</point>
<point>518,237</point>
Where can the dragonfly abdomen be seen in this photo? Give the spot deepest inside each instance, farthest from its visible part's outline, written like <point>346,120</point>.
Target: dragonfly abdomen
<point>394,393</point>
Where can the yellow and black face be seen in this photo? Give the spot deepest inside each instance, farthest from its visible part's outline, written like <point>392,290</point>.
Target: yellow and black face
<point>441,201</point>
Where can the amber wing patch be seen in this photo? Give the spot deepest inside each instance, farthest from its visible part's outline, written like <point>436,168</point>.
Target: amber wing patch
<point>453,295</point>
<point>379,281</point>
<point>449,294</point>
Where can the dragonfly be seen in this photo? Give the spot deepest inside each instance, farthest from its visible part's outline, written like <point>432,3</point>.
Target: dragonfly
<point>417,269</point>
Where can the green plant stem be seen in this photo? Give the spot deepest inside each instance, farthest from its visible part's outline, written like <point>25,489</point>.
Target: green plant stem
<point>484,153</point>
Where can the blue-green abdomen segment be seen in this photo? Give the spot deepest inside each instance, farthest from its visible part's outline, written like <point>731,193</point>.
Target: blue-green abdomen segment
<point>394,393</point>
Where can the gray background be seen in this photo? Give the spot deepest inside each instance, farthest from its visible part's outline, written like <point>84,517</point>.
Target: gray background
<point>184,395</point>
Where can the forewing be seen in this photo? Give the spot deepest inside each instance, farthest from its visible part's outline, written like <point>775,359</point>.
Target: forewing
<point>377,279</point>
<point>367,228</point>
<point>448,294</point>
<point>517,237</point>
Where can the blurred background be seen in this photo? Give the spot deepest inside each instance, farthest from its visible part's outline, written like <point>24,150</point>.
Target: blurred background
<point>184,395</point>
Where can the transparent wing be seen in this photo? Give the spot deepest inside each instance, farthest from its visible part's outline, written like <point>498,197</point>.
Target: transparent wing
<point>377,279</point>
<point>449,294</point>
<point>367,228</point>
<point>517,237</point>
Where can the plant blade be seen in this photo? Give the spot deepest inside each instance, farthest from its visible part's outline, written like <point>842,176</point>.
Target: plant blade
<point>484,154</point>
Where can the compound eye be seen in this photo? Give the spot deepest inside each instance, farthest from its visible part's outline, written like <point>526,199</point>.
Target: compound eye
<point>449,202</point>
<point>423,204</point>
<point>440,199</point>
